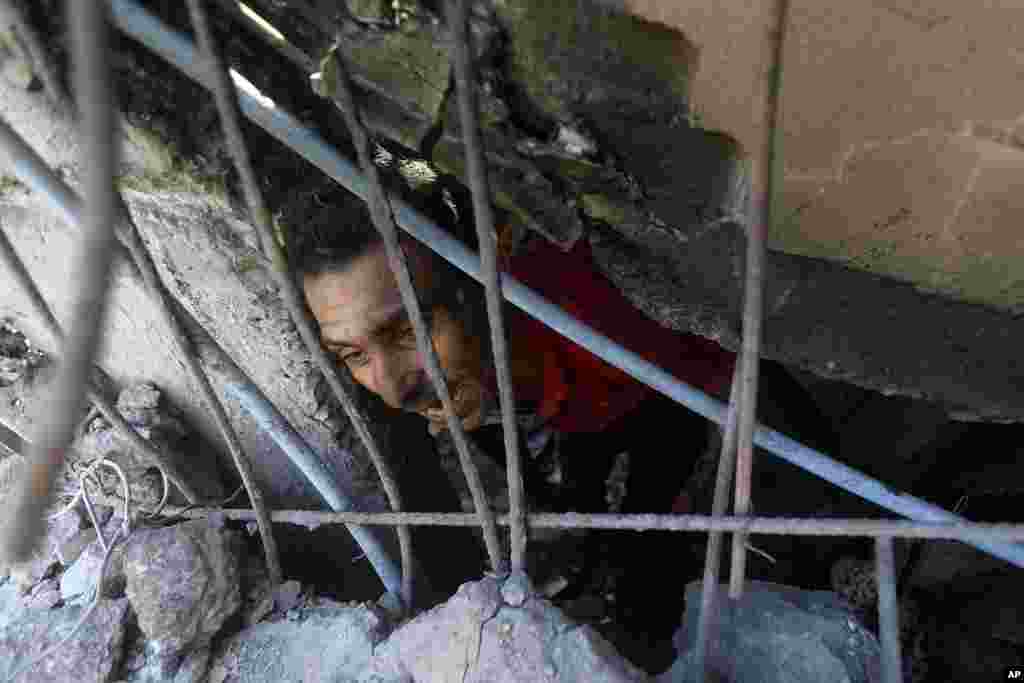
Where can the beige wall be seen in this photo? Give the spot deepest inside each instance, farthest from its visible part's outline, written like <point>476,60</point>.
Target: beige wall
<point>902,136</point>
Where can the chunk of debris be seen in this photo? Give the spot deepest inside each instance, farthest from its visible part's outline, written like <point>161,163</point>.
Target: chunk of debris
<point>143,407</point>
<point>777,633</point>
<point>324,643</point>
<point>476,636</point>
<point>183,583</point>
<point>92,655</point>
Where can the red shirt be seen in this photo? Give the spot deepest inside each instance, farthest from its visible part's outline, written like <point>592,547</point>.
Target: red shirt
<point>582,393</point>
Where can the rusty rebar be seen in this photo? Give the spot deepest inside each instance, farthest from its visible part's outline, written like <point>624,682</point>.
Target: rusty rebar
<point>179,51</point>
<point>888,610</point>
<point>90,277</point>
<point>383,219</point>
<point>713,556</point>
<point>154,454</point>
<point>483,214</point>
<point>760,222</point>
<point>227,106</point>
<point>967,532</point>
<point>144,263</point>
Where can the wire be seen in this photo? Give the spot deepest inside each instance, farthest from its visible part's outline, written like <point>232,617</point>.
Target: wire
<point>120,534</point>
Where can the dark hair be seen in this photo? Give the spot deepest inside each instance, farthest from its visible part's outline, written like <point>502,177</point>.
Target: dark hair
<point>326,227</point>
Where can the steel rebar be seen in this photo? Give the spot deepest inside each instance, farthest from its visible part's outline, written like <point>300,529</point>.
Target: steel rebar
<point>40,178</point>
<point>713,556</point>
<point>144,263</point>
<point>888,610</point>
<point>176,49</point>
<point>967,532</point>
<point>383,219</point>
<point>757,231</point>
<point>154,454</point>
<point>227,107</point>
<point>483,214</point>
<point>90,275</point>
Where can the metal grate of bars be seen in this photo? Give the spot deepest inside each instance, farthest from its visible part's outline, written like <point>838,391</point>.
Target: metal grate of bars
<point>101,215</point>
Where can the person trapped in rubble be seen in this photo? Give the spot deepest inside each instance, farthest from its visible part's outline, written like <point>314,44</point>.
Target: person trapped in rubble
<point>567,398</point>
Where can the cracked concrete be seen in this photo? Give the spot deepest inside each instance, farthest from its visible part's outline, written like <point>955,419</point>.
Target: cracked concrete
<point>866,87</point>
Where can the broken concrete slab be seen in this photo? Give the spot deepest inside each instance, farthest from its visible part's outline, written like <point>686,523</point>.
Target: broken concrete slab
<point>323,643</point>
<point>836,322</point>
<point>476,636</point>
<point>863,70</point>
<point>92,655</point>
<point>778,633</point>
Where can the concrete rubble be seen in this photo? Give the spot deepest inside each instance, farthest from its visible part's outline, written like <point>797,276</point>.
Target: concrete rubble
<point>92,655</point>
<point>183,583</point>
<point>777,634</point>
<point>486,639</point>
<point>144,408</point>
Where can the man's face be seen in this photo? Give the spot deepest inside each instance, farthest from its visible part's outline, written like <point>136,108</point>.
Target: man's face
<point>363,323</point>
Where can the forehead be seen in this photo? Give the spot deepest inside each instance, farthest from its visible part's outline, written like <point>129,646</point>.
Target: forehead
<point>352,303</point>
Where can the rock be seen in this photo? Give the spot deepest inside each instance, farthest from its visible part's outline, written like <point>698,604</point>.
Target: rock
<point>70,550</point>
<point>383,57</point>
<point>17,356</point>
<point>332,643</point>
<point>476,637</point>
<point>777,633</point>
<point>46,595</point>
<point>78,581</point>
<point>183,583</point>
<point>143,666</point>
<point>516,590</point>
<point>63,534</point>
<point>62,540</point>
<point>142,406</point>
<point>29,573</point>
<point>92,655</point>
<point>11,604</point>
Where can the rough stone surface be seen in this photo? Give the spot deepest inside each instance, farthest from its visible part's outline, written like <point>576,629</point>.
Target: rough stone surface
<point>211,261</point>
<point>826,319</point>
<point>143,407</point>
<point>45,595</point>
<point>325,643</point>
<point>93,655</point>
<point>183,583</point>
<point>778,633</point>
<point>476,637</point>
<point>79,580</point>
<point>948,223</point>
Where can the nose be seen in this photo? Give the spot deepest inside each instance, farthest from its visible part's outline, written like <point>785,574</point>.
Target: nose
<point>394,379</point>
